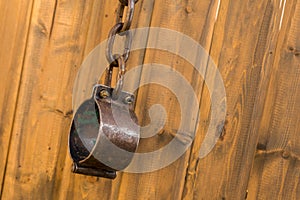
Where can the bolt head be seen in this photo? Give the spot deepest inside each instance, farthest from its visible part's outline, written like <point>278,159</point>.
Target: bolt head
<point>128,100</point>
<point>104,94</point>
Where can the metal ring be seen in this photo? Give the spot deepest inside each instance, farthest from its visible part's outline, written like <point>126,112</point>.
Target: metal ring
<point>129,15</point>
<point>119,85</point>
<point>111,58</point>
<point>125,2</point>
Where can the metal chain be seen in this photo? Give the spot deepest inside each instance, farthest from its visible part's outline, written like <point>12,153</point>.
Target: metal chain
<point>111,40</point>
<point>121,28</point>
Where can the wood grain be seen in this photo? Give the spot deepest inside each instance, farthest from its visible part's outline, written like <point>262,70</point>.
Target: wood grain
<point>238,48</point>
<point>57,36</point>
<point>255,44</point>
<point>276,169</point>
<point>15,17</point>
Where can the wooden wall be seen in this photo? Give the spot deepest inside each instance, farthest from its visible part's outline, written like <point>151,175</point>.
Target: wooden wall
<point>255,44</point>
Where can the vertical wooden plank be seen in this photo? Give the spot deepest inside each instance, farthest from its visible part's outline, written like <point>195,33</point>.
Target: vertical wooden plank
<point>55,49</point>
<point>195,19</point>
<point>74,186</point>
<point>238,48</point>
<point>14,22</point>
<point>276,172</point>
<point>69,185</point>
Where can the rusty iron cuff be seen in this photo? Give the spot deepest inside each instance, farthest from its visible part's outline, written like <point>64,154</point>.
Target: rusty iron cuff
<point>94,128</point>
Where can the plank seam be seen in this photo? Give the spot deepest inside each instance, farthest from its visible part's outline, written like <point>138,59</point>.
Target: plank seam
<point>53,19</point>
<point>57,185</point>
<point>259,85</point>
<point>137,92</point>
<point>151,18</point>
<point>198,115</point>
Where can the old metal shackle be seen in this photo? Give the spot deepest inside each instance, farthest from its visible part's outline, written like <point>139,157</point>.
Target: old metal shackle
<point>94,126</point>
<point>96,131</point>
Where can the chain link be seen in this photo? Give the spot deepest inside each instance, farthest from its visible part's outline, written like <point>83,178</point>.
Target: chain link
<point>110,43</point>
<point>120,79</point>
<point>125,2</point>
<point>121,28</point>
<point>129,15</point>
<point>119,85</point>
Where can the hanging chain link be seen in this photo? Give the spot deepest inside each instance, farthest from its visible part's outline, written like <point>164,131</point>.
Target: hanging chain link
<point>111,40</point>
<point>121,28</point>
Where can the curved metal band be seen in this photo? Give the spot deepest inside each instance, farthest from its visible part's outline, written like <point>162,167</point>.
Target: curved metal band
<point>110,43</point>
<point>94,132</point>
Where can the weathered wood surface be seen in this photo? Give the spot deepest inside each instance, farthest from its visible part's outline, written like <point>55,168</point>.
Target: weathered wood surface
<point>238,47</point>
<point>276,171</point>
<point>14,23</point>
<point>57,37</point>
<point>256,47</point>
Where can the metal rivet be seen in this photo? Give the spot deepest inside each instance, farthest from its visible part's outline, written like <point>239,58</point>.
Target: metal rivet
<point>104,94</point>
<point>128,100</point>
